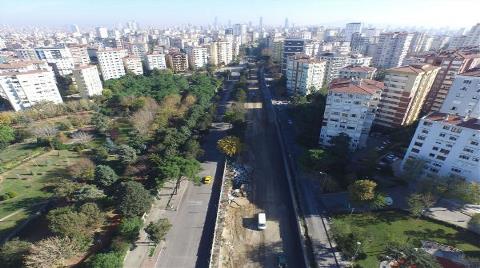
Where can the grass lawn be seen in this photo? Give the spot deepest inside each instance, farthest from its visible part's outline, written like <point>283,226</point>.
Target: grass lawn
<point>12,154</point>
<point>30,181</point>
<point>380,227</point>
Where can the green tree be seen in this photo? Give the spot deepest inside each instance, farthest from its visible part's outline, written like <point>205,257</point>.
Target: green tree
<point>101,122</point>
<point>105,175</point>
<point>409,256</point>
<point>7,135</point>
<point>126,154</point>
<point>417,203</point>
<point>12,253</point>
<point>130,227</point>
<point>134,200</point>
<point>95,218</point>
<point>107,260</point>
<point>474,223</point>
<point>156,231</point>
<point>83,169</point>
<point>316,160</point>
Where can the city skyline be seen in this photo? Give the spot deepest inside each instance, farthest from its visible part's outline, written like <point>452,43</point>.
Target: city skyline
<point>304,12</point>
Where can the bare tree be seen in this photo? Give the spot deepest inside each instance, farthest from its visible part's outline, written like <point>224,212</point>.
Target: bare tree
<point>81,137</point>
<point>45,131</point>
<point>50,252</point>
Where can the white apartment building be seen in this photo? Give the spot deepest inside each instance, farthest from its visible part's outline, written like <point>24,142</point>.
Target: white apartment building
<point>359,60</point>
<point>197,57</point>
<point>102,32</point>
<point>463,98</point>
<point>350,109</point>
<point>24,66</point>
<point>59,57</point>
<point>334,62</point>
<point>221,53</point>
<point>133,64</point>
<point>25,86</point>
<point>448,144</point>
<point>111,63</point>
<point>304,74</point>
<point>357,72</point>
<point>26,53</point>
<point>351,28</point>
<point>391,49</point>
<point>155,61</point>
<point>138,49</point>
<point>88,81</point>
<point>79,54</point>
<point>405,92</point>
<point>473,39</point>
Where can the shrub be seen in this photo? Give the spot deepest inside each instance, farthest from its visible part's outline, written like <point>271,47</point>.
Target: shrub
<point>107,260</point>
<point>83,169</point>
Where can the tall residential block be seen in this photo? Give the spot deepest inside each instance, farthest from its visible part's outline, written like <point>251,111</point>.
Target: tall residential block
<point>79,54</point>
<point>405,91</point>
<point>451,64</point>
<point>133,64</point>
<point>197,57</point>
<point>26,84</point>
<point>291,47</point>
<point>350,109</point>
<point>391,49</point>
<point>463,98</point>
<point>333,63</point>
<point>88,81</point>
<point>155,61</point>
<point>59,57</point>
<point>178,62</point>
<point>111,63</point>
<point>304,74</point>
<point>357,72</point>
<point>351,28</point>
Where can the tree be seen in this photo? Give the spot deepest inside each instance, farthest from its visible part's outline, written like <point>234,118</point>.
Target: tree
<point>130,227</point>
<point>413,169</point>
<point>13,252</point>
<point>107,260</point>
<point>417,203</point>
<point>50,252</point>
<point>7,135</point>
<point>134,200</point>
<point>362,191</point>
<point>83,169</point>
<point>127,154</point>
<point>105,176</point>
<point>340,145</point>
<point>407,256</point>
<point>316,160</point>
<point>77,192</point>
<point>101,122</point>
<point>94,216</point>
<point>156,231</point>
<point>230,145</point>
<point>475,222</point>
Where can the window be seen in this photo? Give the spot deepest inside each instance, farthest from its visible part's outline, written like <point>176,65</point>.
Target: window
<point>444,151</point>
<point>427,123</point>
<point>439,157</point>
<point>468,150</point>
<point>446,127</point>
<point>435,148</point>
<point>452,138</point>
<point>422,138</point>
<point>456,170</point>
<point>475,143</point>
<point>414,150</point>
<point>431,155</point>
<point>462,156</point>
<point>419,144</point>
<point>468,82</point>
<point>424,131</point>
<point>442,134</point>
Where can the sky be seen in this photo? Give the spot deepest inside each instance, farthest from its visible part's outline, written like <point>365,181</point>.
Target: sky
<point>426,13</point>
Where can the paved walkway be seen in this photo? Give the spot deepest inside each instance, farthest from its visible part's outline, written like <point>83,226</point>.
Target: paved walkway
<point>138,257</point>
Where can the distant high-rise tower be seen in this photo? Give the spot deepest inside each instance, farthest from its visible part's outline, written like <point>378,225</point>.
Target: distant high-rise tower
<point>260,23</point>
<point>74,28</point>
<point>286,23</point>
<point>215,22</point>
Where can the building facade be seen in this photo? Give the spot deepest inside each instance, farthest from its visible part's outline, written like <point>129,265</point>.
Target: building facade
<point>291,47</point>
<point>405,91</point>
<point>463,98</point>
<point>351,107</point>
<point>60,58</point>
<point>197,57</point>
<point>111,63</point>
<point>304,74</point>
<point>357,72</point>
<point>333,63</point>
<point>178,62</point>
<point>133,64</point>
<point>155,61</point>
<point>391,49</point>
<point>88,81</point>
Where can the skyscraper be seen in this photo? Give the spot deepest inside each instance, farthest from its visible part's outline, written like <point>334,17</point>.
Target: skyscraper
<point>286,24</point>
<point>351,28</point>
<point>391,49</point>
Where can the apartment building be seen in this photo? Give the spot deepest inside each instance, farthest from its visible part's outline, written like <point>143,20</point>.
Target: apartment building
<point>60,58</point>
<point>351,28</point>
<point>333,63</point>
<point>24,85</point>
<point>178,62</point>
<point>88,81</point>
<point>304,74</point>
<point>463,98</point>
<point>291,46</point>
<point>391,49</point>
<point>79,54</point>
<point>133,64</point>
<point>155,61</point>
<point>111,63</point>
<point>359,60</point>
<point>26,53</point>
<point>351,107</point>
<point>221,53</point>
<point>448,144</point>
<point>451,64</point>
<point>405,91</point>
<point>277,49</point>
<point>353,72</point>
<point>197,57</point>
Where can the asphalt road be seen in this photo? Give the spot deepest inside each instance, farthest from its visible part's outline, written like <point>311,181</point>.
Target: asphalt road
<point>270,190</point>
<point>188,241</point>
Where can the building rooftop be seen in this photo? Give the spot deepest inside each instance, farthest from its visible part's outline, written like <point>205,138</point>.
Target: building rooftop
<point>354,68</point>
<point>19,64</point>
<point>472,72</point>
<point>414,68</point>
<point>364,86</point>
<point>472,123</point>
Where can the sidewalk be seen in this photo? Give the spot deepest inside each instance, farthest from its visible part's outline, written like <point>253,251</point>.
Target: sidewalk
<point>139,256</point>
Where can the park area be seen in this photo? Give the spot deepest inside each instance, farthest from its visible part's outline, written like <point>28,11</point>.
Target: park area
<point>375,230</point>
<point>26,183</point>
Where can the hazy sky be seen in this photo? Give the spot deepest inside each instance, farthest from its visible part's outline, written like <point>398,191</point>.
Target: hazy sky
<point>428,13</point>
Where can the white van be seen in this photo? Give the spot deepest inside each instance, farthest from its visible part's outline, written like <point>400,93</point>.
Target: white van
<point>262,221</point>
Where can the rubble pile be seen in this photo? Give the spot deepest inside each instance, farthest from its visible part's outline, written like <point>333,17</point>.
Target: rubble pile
<point>240,174</point>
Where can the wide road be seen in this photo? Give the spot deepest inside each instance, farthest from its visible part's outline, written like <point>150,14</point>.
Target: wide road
<point>188,241</point>
<point>270,189</point>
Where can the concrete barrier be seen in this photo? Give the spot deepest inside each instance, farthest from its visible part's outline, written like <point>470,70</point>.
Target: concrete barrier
<point>215,249</point>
